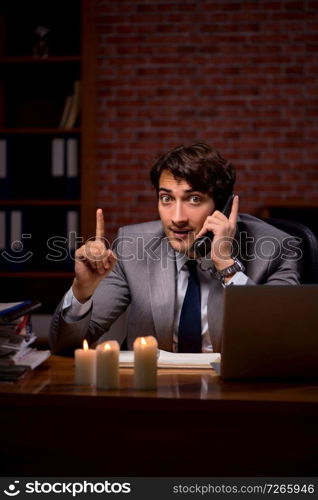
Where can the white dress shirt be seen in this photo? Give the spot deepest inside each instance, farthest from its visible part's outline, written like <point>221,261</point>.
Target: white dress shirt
<point>73,310</point>
<point>239,278</point>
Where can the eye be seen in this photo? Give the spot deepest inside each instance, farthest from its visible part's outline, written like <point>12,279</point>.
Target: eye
<point>195,199</point>
<point>165,198</point>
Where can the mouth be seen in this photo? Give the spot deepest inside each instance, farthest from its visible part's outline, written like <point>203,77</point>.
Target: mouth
<point>181,234</point>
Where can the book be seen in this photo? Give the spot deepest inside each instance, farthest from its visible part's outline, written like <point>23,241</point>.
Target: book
<point>11,372</point>
<point>10,311</point>
<point>16,338</point>
<point>31,358</point>
<point>74,106</point>
<point>66,111</point>
<point>14,342</point>
<point>174,359</point>
<point>12,358</point>
<point>8,307</point>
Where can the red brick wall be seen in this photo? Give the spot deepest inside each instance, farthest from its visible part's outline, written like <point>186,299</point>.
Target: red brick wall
<point>240,75</point>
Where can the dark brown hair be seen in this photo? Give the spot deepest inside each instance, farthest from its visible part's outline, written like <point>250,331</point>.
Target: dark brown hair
<point>202,167</point>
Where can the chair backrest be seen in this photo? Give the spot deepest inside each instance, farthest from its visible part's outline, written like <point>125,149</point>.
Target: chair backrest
<point>308,264</point>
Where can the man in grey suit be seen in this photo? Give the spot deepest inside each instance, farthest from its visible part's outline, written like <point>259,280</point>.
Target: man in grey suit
<point>148,268</point>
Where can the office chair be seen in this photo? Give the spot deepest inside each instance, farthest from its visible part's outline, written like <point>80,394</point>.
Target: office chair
<point>308,264</point>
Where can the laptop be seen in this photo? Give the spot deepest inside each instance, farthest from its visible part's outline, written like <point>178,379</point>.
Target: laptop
<point>270,332</point>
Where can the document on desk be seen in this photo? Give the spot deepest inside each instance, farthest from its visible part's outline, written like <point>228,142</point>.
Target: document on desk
<point>174,359</point>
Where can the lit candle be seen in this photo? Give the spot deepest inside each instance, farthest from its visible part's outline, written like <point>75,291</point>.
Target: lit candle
<point>145,366</point>
<point>108,365</point>
<point>85,365</point>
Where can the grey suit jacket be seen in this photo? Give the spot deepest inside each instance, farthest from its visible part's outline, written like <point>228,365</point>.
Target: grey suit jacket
<point>145,278</point>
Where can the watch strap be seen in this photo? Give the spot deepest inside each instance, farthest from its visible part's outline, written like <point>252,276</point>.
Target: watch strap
<point>229,271</point>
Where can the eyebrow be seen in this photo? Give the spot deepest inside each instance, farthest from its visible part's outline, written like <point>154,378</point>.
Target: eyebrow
<point>191,190</point>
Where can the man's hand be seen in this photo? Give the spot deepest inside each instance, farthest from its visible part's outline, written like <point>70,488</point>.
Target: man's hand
<point>93,261</point>
<point>224,230</point>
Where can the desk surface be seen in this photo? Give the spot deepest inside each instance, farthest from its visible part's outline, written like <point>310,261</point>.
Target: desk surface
<point>56,377</point>
<point>258,428</point>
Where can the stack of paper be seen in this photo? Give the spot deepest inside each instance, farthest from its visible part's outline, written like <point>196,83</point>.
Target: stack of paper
<point>16,337</point>
<point>174,360</point>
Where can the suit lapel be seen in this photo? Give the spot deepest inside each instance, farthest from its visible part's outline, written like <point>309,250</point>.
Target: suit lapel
<point>162,287</point>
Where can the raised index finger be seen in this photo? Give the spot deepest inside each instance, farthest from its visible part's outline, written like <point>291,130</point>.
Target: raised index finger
<point>100,232</point>
<point>234,211</point>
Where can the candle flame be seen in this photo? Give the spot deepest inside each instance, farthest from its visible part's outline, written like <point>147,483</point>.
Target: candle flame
<point>107,347</point>
<point>143,341</point>
<point>85,345</point>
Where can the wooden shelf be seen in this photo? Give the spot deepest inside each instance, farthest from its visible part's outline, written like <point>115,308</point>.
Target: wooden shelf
<point>40,60</point>
<point>33,94</point>
<point>37,274</point>
<point>39,130</point>
<point>35,202</point>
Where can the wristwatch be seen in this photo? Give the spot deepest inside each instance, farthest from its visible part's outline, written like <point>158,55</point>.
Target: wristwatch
<point>229,271</point>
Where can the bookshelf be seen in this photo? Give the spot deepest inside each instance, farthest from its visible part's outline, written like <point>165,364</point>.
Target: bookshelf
<point>46,169</point>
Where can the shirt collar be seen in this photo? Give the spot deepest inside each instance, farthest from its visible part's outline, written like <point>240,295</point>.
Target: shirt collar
<point>181,259</point>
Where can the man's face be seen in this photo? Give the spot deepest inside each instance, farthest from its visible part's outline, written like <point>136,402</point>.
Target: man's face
<point>182,210</point>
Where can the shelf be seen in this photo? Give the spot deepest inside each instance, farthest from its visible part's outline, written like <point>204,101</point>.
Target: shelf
<point>39,130</point>
<point>40,60</point>
<point>33,95</point>
<point>46,171</point>
<point>35,202</point>
<point>37,274</point>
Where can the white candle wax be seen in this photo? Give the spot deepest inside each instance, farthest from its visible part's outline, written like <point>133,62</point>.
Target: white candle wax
<point>85,365</point>
<point>107,365</point>
<point>145,365</point>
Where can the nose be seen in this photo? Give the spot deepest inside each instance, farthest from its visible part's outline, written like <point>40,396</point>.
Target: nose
<point>179,217</point>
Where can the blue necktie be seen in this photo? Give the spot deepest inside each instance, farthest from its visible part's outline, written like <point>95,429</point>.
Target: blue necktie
<point>189,333</point>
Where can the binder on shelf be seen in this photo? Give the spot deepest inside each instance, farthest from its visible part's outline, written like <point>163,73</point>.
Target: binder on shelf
<point>72,227</point>
<point>16,226</point>
<point>64,168</point>
<point>74,107</point>
<point>72,168</point>
<point>3,159</point>
<point>66,111</point>
<point>17,252</point>
<point>13,250</point>
<point>71,158</point>
<point>4,174</point>
<point>58,154</point>
<point>3,238</point>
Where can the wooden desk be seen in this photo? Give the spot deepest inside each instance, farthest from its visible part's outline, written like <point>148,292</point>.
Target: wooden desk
<point>193,425</point>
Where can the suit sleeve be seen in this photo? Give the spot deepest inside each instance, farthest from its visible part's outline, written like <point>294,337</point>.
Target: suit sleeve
<point>110,299</point>
<point>280,267</point>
